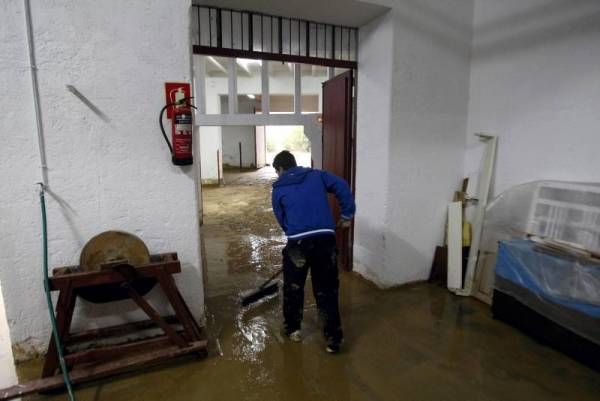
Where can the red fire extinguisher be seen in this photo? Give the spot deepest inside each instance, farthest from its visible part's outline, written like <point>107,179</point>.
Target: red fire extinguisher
<point>181,132</point>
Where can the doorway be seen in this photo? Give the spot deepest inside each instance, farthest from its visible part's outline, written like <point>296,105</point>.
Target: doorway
<point>249,110</point>
<point>291,138</point>
<point>242,240</point>
<point>308,114</point>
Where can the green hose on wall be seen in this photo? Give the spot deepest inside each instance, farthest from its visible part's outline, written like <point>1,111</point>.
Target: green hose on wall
<point>61,358</point>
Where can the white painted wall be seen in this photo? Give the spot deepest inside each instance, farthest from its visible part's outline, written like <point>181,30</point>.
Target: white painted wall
<point>425,136</point>
<point>374,108</point>
<point>535,82</point>
<point>261,147</point>
<point>102,175</point>
<point>210,138</point>
<point>211,154</point>
<point>232,137</point>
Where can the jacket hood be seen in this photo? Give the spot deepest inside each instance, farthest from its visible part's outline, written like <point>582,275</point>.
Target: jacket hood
<point>295,175</point>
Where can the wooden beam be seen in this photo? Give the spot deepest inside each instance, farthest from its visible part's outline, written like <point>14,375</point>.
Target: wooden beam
<point>87,279</point>
<point>115,331</point>
<point>98,371</point>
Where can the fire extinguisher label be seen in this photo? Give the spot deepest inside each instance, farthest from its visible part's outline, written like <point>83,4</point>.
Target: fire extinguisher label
<point>183,118</point>
<point>183,129</point>
<point>182,135</point>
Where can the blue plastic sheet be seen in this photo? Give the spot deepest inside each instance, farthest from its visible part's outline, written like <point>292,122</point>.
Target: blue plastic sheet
<point>567,282</point>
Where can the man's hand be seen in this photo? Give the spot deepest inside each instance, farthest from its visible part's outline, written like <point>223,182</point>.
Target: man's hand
<point>343,223</point>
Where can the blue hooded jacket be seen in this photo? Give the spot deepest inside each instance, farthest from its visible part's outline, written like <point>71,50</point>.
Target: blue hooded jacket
<point>300,202</point>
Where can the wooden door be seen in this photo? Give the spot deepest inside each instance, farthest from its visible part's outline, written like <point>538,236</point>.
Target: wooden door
<point>338,148</point>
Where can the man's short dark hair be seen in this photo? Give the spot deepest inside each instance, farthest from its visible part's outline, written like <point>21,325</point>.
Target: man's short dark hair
<point>285,160</point>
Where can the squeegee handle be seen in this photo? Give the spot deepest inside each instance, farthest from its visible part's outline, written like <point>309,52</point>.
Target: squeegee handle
<point>277,273</point>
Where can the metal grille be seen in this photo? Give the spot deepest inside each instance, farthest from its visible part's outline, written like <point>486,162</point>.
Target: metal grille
<point>224,32</point>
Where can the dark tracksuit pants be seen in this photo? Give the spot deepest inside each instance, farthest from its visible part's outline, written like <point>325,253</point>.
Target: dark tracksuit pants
<point>319,254</point>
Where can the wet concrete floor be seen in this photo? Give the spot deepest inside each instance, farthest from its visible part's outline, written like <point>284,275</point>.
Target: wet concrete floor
<point>417,342</point>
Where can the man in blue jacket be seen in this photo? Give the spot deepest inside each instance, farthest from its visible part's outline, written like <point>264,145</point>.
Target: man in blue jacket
<point>301,207</point>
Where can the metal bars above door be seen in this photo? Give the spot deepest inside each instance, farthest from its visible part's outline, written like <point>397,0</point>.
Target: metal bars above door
<point>231,33</point>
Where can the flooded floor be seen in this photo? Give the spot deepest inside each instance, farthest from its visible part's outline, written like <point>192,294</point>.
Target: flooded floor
<point>417,342</point>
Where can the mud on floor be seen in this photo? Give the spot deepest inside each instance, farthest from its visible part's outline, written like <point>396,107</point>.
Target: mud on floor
<point>417,342</point>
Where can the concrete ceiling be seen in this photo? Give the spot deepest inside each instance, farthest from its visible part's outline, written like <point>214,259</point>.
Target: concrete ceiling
<point>351,13</point>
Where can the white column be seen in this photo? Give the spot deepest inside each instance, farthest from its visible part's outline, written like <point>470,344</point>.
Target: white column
<point>297,89</point>
<point>232,75</point>
<point>200,84</point>
<point>265,87</point>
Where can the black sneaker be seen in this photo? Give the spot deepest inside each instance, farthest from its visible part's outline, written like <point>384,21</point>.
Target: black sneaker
<point>296,336</point>
<point>333,347</point>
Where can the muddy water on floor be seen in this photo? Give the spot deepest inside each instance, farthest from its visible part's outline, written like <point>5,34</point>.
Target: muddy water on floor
<point>417,342</point>
<point>413,343</point>
<point>242,240</point>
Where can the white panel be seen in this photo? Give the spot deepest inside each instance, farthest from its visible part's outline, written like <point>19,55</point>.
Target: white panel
<point>329,42</point>
<point>275,24</point>
<point>485,179</point>
<point>267,30</point>
<point>237,30</point>
<point>285,36</point>
<point>226,39</point>
<point>313,40</point>
<point>195,26</point>
<point>294,28</point>
<point>8,374</point>
<point>205,26</point>
<point>257,33</point>
<point>454,245</point>
<point>302,38</point>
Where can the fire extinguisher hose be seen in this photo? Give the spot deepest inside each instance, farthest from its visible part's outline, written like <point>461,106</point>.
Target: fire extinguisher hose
<point>162,128</point>
<point>57,343</point>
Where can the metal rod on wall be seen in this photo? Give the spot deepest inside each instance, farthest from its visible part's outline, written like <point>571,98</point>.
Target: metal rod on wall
<point>326,47</point>
<point>251,32</point>
<point>307,35</point>
<point>271,33</point>
<point>332,42</point>
<point>218,167</point>
<point>280,35</point>
<point>199,27</point>
<point>348,30</point>
<point>210,41</point>
<point>219,30</point>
